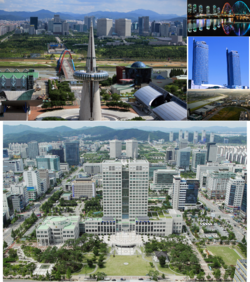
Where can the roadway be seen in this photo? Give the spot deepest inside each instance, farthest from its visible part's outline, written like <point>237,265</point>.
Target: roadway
<point>58,40</point>
<point>239,232</point>
<point>5,38</point>
<point>67,70</point>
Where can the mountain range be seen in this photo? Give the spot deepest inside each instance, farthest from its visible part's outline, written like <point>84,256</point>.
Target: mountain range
<point>46,14</point>
<point>25,133</point>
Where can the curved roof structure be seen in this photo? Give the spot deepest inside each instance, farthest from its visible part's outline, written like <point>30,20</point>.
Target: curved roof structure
<point>170,111</point>
<point>147,95</point>
<point>138,65</point>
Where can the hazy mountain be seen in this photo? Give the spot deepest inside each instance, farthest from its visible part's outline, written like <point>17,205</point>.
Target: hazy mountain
<point>43,14</point>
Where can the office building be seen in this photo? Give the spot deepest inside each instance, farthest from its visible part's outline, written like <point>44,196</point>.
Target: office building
<point>33,149</point>
<point>92,168</point>
<point>199,157</point>
<point>57,230</point>
<point>186,134</point>
<point>32,30</point>
<point>59,153</point>
<point>171,136</point>
<point>123,27</point>
<point>211,137</point>
<point>18,202</point>
<point>104,27</point>
<point>115,149</point>
<point>20,189</point>
<point>234,194</point>
<point>165,29</point>
<point>33,182</point>
<point>240,274</point>
<point>200,62</point>
<point>217,183</point>
<point>180,135</point>
<point>13,165</point>
<point>183,144</point>
<point>83,187</point>
<point>184,193</point>
<point>143,24</point>
<point>71,153</point>
<point>184,33</point>
<point>132,148</point>
<point>163,179</point>
<point>44,174</point>
<point>233,69</point>
<point>88,21</point>
<point>48,162</point>
<point>183,158</point>
<point>34,22</point>
<point>211,152</point>
<point>195,140</point>
<point>203,136</point>
<point>243,208</point>
<point>7,204</point>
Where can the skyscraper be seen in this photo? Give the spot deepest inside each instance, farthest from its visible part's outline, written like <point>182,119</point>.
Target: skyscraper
<point>115,149</point>
<point>233,69</point>
<point>199,157</point>
<point>211,152</point>
<point>183,158</point>
<point>88,21</point>
<point>48,162</point>
<point>34,21</point>
<point>123,27</point>
<point>171,136</point>
<point>200,62</point>
<point>90,108</point>
<point>104,27</point>
<point>132,148</point>
<point>33,150</point>
<point>184,33</point>
<point>143,23</point>
<point>71,152</point>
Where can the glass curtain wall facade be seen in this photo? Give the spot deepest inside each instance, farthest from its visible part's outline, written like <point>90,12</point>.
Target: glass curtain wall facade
<point>200,62</point>
<point>233,69</point>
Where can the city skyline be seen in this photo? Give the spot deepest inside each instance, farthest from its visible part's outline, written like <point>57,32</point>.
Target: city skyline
<point>88,6</point>
<point>217,53</point>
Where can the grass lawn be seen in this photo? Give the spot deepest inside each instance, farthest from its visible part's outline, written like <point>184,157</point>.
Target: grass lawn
<point>136,266</point>
<point>86,269</point>
<point>228,255</point>
<point>228,113</point>
<point>167,270</point>
<point>239,251</point>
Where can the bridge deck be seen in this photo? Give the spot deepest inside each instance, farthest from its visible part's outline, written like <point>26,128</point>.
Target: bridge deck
<point>67,70</point>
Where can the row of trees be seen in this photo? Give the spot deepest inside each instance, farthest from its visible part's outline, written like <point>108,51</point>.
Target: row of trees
<point>46,207</point>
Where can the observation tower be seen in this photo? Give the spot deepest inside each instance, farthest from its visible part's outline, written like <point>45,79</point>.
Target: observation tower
<point>90,107</point>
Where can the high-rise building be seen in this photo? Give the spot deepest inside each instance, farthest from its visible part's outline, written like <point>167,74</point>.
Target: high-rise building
<point>184,33</point>
<point>143,23</point>
<point>92,168</point>
<point>20,189</point>
<point>104,27</point>
<point>48,162</point>
<point>7,204</point>
<point>165,29</point>
<point>184,193</point>
<point>32,30</point>
<point>88,21</point>
<point>234,194</point>
<point>203,136</point>
<point>195,140</point>
<point>34,22</point>
<point>125,190</point>
<point>44,175</point>
<point>211,152</point>
<point>123,27</point>
<point>83,187</point>
<point>186,134</point>
<point>240,274</point>
<point>211,137</point>
<point>71,152</point>
<point>33,149</point>
<point>13,165</point>
<point>180,135</point>
<point>200,62</point>
<point>115,149</point>
<point>183,158</point>
<point>183,144</point>
<point>18,202</point>
<point>59,153</point>
<point>132,148</point>
<point>199,157</point>
<point>243,208</point>
<point>233,69</point>
<point>171,136</point>
<point>33,182</point>
<point>163,179</point>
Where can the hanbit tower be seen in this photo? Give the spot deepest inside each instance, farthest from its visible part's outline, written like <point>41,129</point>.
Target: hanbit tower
<point>90,108</point>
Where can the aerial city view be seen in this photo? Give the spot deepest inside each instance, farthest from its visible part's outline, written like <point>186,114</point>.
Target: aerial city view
<point>125,65</point>
<point>85,201</point>
<point>218,18</point>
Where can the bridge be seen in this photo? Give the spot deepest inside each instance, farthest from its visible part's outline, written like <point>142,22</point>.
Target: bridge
<point>66,65</point>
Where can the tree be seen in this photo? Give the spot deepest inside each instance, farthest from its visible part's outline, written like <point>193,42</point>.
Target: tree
<point>162,261</point>
<point>96,251</point>
<point>208,277</point>
<point>100,276</point>
<point>5,245</point>
<point>243,240</point>
<point>90,263</point>
<point>58,275</point>
<point>154,274</point>
<point>68,273</point>
<point>47,276</point>
<point>13,234</point>
<point>217,274</point>
<point>116,97</point>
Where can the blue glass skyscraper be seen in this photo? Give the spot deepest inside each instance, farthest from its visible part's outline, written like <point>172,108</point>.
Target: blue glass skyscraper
<point>233,69</point>
<point>200,62</point>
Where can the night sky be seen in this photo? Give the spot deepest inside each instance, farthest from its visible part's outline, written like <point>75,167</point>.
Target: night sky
<point>218,3</point>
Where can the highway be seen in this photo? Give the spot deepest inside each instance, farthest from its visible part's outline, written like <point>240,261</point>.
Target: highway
<point>239,232</point>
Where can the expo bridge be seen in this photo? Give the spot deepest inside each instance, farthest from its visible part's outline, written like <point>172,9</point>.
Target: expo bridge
<point>66,65</point>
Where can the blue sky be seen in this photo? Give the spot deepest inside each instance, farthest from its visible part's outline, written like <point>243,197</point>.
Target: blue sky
<point>217,57</point>
<point>178,7</point>
<point>124,124</point>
